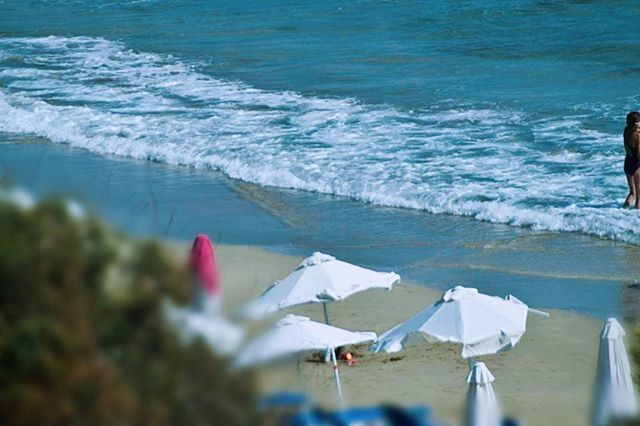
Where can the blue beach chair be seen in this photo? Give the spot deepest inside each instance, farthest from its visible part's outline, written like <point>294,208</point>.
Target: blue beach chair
<point>385,415</point>
<point>365,416</point>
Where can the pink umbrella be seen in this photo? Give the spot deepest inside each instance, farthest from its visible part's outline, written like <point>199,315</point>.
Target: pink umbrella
<point>202,264</point>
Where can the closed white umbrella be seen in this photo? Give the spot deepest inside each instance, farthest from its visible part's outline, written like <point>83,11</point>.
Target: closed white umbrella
<point>481,407</point>
<point>294,335</point>
<point>481,324</point>
<point>320,278</point>
<point>614,396</point>
<point>221,335</point>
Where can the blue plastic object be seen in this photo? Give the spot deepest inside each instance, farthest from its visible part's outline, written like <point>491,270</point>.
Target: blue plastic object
<point>378,415</point>
<point>282,399</point>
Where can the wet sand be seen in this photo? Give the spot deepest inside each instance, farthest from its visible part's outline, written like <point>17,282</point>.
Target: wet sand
<point>177,203</point>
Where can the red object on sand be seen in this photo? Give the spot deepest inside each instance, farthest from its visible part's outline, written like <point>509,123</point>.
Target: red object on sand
<point>202,264</point>
<point>348,358</point>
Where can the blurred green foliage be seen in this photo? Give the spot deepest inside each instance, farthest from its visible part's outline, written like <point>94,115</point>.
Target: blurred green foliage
<point>82,335</point>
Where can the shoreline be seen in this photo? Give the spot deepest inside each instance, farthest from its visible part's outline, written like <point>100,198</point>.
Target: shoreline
<point>151,199</point>
<point>546,379</point>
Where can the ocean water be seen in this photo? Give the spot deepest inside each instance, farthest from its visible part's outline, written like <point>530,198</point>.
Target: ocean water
<point>474,143</point>
<point>502,111</point>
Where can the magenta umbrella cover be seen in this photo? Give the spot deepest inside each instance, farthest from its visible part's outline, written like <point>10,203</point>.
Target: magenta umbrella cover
<point>202,264</point>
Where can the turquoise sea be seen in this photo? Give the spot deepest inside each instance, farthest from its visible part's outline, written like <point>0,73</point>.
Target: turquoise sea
<point>468,142</point>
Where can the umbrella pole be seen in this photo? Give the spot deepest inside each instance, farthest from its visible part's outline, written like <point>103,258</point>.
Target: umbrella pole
<point>471,361</point>
<point>327,354</point>
<point>326,314</point>
<point>336,374</point>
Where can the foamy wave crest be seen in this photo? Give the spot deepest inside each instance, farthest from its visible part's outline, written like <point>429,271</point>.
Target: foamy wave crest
<point>491,164</point>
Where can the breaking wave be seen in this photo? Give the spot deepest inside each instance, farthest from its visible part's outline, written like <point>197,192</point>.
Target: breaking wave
<point>486,162</point>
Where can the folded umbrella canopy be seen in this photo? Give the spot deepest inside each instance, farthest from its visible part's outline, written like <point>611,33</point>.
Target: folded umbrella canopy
<point>482,324</point>
<point>203,267</point>
<point>221,335</point>
<point>294,335</point>
<point>481,406</point>
<point>206,292</point>
<point>320,278</point>
<point>614,396</point>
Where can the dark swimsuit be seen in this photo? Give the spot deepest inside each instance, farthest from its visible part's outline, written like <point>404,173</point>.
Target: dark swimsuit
<point>631,161</point>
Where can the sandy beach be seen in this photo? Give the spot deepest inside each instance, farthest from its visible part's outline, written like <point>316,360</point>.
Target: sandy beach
<point>545,380</point>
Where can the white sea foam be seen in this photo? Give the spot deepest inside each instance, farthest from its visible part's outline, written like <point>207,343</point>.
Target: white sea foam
<point>491,164</point>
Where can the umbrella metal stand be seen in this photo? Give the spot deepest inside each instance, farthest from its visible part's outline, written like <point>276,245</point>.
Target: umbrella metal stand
<point>471,361</point>
<point>327,353</point>
<point>326,314</point>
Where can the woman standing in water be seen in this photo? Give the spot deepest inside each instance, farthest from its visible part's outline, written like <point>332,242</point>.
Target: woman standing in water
<point>632,157</point>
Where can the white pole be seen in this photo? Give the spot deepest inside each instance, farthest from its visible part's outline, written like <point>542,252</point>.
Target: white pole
<point>327,355</point>
<point>336,374</point>
<point>539,312</point>
<point>326,315</point>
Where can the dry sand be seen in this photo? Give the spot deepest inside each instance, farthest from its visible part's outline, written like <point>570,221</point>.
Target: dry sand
<point>545,380</point>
